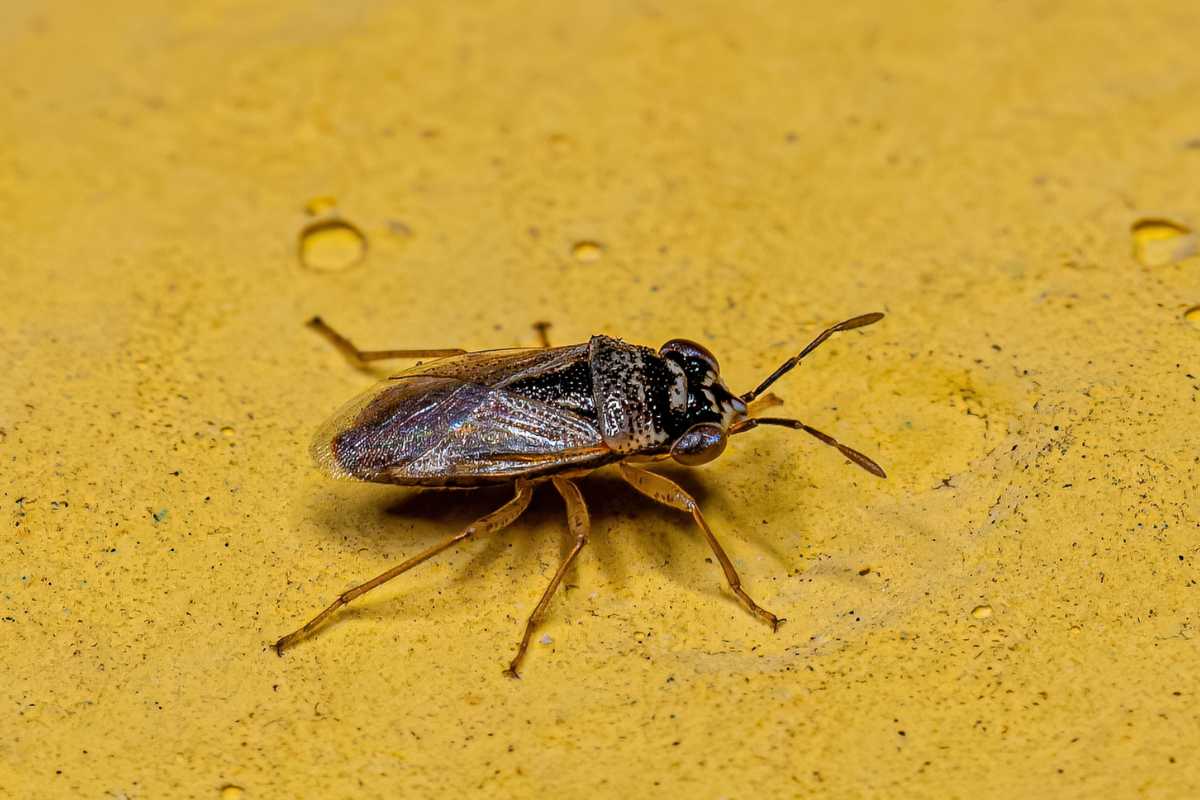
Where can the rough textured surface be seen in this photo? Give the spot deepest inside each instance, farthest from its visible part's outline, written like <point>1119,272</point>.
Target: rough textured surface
<point>1014,610</point>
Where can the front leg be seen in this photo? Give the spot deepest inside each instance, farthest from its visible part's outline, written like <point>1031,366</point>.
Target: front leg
<point>666,491</point>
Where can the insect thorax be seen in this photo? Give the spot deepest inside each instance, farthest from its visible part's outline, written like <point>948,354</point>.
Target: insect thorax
<point>644,401</point>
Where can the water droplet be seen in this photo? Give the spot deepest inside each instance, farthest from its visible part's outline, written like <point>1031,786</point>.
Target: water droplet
<point>1192,315</point>
<point>546,639</point>
<point>1158,241</point>
<point>331,245</point>
<point>559,142</point>
<point>587,252</point>
<point>981,612</point>
<point>227,431</point>
<point>231,792</point>
<point>319,205</point>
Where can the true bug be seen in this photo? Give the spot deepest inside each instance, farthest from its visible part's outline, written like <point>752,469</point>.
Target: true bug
<point>531,415</point>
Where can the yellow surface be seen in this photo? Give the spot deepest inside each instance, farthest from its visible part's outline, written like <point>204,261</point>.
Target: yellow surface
<point>999,177</point>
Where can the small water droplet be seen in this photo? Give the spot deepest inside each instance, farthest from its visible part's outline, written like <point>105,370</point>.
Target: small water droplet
<point>1158,242</point>
<point>1192,315</point>
<point>227,431</point>
<point>331,245</point>
<point>559,142</point>
<point>981,612</point>
<point>546,639</point>
<point>231,792</point>
<point>587,252</point>
<point>320,205</point>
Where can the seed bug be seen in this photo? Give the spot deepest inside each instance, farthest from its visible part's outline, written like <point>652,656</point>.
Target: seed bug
<point>547,415</point>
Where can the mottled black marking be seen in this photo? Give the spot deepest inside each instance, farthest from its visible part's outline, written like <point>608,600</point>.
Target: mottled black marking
<point>699,407</point>
<point>658,380</point>
<point>619,388</point>
<point>569,388</point>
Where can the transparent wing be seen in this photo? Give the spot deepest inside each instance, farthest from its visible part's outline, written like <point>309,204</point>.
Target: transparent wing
<point>417,428</point>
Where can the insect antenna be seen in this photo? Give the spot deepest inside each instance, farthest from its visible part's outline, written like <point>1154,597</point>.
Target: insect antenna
<point>849,452</point>
<point>787,366</point>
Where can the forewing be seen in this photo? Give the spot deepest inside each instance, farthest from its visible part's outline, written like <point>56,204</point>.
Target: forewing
<point>498,368</point>
<point>416,428</point>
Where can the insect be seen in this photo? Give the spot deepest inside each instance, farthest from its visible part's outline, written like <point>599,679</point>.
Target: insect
<point>547,415</point>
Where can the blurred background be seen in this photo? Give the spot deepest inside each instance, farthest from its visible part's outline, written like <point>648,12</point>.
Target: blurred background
<point>1016,185</point>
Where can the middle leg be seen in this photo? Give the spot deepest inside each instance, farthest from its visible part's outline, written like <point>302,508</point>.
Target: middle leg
<point>580,524</point>
<point>669,493</point>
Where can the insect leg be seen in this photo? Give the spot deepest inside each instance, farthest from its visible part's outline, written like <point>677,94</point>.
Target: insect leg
<point>763,402</point>
<point>500,518</point>
<point>360,357</point>
<point>580,525</point>
<point>669,493</point>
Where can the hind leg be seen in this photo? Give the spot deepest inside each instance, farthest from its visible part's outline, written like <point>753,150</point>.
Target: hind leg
<point>360,357</point>
<point>500,518</point>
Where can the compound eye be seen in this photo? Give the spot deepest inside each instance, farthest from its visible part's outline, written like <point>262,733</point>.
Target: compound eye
<point>700,444</point>
<point>686,348</point>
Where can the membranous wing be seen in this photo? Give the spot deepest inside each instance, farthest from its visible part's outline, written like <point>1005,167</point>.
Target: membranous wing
<point>453,421</point>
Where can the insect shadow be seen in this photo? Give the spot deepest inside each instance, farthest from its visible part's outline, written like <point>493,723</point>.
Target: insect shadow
<point>413,521</point>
